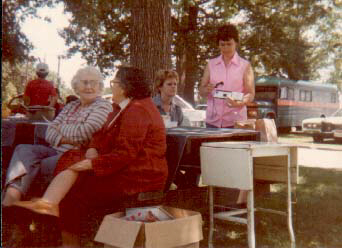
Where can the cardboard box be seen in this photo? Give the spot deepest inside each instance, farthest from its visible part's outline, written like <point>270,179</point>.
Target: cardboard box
<point>184,230</point>
<point>147,214</point>
<point>247,124</point>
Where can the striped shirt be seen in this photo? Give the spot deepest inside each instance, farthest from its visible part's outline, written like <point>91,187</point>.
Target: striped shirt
<point>78,123</point>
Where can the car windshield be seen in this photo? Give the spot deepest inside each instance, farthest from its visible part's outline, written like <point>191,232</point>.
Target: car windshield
<point>265,93</point>
<point>182,103</point>
<point>108,97</point>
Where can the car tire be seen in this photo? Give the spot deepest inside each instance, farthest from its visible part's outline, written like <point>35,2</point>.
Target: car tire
<point>317,138</point>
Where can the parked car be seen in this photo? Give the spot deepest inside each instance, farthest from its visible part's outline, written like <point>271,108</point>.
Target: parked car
<point>324,127</point>
<point>193,117</point>
<point>108,97</point>
<point>201,106</point>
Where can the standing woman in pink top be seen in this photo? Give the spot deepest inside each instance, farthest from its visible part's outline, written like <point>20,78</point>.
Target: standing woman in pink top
<point>227,72</point>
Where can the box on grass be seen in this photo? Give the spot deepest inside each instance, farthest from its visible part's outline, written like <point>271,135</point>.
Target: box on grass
<point>180,228</point>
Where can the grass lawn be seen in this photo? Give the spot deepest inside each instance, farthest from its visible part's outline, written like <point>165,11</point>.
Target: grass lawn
<point>317,216</point>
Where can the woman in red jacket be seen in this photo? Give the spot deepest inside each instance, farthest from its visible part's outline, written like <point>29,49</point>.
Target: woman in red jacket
<point>125,157</point>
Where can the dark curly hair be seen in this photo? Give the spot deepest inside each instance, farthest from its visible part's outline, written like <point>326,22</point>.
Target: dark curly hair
<point>227,32</point>
<point>134,82</point>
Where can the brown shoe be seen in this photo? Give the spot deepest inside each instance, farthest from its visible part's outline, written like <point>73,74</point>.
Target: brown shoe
<point>40,206</point>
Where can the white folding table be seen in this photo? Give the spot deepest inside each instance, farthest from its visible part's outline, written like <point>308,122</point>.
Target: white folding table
<point>236,165</point>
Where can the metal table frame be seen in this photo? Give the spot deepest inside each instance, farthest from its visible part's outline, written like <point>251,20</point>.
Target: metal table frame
<point>215,173</point>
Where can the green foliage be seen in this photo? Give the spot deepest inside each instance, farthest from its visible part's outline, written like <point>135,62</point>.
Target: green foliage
<point>98,30</point>
<point>271,34</point>
<point>64,92</point>
<point>328,45</point>
<point>15,45</point>
<point>194,25</point>
<point>14,78</point>
<point>275,35</point>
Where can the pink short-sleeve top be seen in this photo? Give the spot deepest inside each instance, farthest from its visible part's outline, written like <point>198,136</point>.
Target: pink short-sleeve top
<point>219,114</point>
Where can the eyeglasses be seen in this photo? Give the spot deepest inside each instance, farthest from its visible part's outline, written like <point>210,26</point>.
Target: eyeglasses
<point>91,83</point>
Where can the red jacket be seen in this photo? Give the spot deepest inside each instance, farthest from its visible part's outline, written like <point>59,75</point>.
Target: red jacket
<point>131,150</point>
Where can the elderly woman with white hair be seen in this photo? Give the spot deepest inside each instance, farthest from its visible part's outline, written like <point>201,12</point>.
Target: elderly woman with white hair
<point>72,129</point>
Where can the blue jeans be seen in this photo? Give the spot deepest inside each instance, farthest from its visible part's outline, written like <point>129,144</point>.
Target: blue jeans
<point>27,160</point>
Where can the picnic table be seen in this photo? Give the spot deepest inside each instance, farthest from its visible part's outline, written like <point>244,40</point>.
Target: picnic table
<point>183,143</point>
<point>183,149</point>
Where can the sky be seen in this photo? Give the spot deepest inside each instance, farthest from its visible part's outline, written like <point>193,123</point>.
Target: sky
<point>48,45</point>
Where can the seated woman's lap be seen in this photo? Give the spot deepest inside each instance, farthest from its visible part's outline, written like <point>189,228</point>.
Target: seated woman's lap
<point>30,156</point>
<point>34,153</point>
<point>43,177</point>
<point>89,192</point>
<point>47,168</point>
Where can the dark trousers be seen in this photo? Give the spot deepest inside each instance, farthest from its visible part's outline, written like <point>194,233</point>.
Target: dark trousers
<point>87,194</point>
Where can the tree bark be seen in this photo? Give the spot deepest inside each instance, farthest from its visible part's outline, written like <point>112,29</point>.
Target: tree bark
<point>150,35</point>
<point>189,58</point>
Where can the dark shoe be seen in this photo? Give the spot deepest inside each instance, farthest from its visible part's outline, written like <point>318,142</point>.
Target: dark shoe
<point>22,227</point>
<point>14,236</point>
<point>15,226</point>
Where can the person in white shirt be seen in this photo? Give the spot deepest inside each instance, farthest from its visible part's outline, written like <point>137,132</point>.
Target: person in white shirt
<point>72,129</point>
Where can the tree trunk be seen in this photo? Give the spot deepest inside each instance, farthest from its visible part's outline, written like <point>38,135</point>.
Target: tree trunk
<point>189,58</point>
<point>150,35</point>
